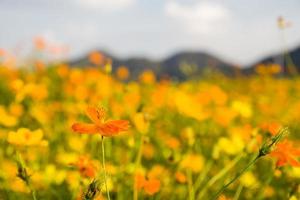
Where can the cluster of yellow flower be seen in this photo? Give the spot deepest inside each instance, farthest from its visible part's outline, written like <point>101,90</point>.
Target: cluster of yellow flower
<point>184,140</point>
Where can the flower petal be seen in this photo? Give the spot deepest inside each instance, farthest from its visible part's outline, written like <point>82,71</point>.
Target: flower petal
<point>96,114</point>
<point>113,127</point>
<point>293,162</point>
<point>85,128</point>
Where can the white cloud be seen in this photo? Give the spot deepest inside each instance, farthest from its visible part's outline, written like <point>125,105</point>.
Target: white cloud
<point>106,4</point>
<point>202,17</point>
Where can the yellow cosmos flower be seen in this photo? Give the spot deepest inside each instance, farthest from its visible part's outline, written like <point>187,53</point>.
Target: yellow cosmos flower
<point>248,180</point>
<point>187,105</point>
<point>230,146</point>
<point>6,119</point>
<point>141,123</point>
<point>243,108</point>
<point>193,162</point>
<point>26,137</point>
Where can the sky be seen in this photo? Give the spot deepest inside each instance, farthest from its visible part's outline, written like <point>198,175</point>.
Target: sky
<point>238,31</point>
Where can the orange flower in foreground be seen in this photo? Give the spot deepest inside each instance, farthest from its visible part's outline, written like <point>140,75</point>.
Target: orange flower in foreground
<point>285,154</point>
<point>99,125</point>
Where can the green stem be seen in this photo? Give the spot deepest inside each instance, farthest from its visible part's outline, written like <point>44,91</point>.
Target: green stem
<point>190,185</point>
<point>218,176</point>
<point>103,164</point>
<point>32,191</point>
<point>236,177</point>
<point>137,163</point>
<point>202,176</point>
<point>33,194</point>
<point>238,192</point>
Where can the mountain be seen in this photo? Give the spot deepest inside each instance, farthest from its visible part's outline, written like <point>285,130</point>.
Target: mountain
<point>187,64</point>
<point>180,66</point>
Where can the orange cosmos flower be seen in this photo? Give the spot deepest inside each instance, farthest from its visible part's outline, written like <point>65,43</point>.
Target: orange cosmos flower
<point>285,154</point>
<point>99,125</point>
<point>122,73</point>
<point>85,166</point>
<point>96,58</point>
<point>180,177</point>
<point>150,185</point>
<point>271,127</point>
<point>2,52</point>
<point>39,43</point>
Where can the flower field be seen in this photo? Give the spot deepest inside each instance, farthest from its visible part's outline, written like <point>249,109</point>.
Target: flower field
<point>89,133</point>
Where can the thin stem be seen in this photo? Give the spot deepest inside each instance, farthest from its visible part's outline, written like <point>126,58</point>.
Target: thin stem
<point>236,177</point>
<point>103,164</point>
<point>290,66</point>
<point>202,176</point>
<point>238,192</point>
<point>32,191</point>
<point>33,194</point>
<point>219,175</point>
<point>190,185</point>
<point>137,164</point>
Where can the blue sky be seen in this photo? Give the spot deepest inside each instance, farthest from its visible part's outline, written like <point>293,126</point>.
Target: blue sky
<point>239,31</point>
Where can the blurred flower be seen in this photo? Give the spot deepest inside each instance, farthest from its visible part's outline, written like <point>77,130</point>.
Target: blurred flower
<point>99,125</point>
<point>172,142</point>
<point>147,77</point>
<point>26,137</point>
<point>150,186</point>
<point>148,151</point>
<point>268,69</point>
<point>96,58</point>
<point>54,175</point>
<point>141,123</point>
<point>230,146</point>
<point>6,119</point>
<point>16,109</point>
<point>62,70</point>
<point>122,73</point>
<point>39,43</point>
<point>285,154</point>
<point>272,127</point>
<point>187,105</point>
<point>243,108</point>
<point>35,91</point>
<point>282,23</point>
<point>85,166</point>
<point>193,162</point>
<point>2,52</point>
<point>39,65</point>
<point>248,180</point>
<point>180,177</point>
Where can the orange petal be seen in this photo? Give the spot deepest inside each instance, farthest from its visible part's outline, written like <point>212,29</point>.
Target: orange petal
<point>152,186</point>
<point>293,162</point>
<point>281,161</point>
<point>295,152</point>
<point>85,128</point>
<point>95,114</point>
<point>139,181</point>
<point>113,127</point>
